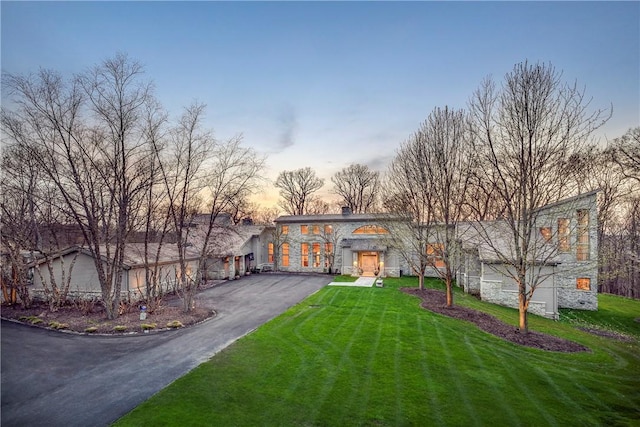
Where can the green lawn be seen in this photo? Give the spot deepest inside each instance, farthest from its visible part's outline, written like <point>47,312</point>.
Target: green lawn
<point>372,357</point>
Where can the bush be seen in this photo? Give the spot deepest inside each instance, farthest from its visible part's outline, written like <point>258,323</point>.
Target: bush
<point>148,326</point>
<point>57,325</point>
<point>91,329</point>
<point>175,324</point>
<point>119,328</point>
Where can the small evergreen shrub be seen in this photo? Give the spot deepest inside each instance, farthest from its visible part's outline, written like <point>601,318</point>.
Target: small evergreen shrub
<point>175,324</point>
<point>119,328</point>
<point>91,329</point>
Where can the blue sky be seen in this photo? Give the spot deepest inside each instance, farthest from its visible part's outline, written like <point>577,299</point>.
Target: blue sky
<point>325,84</point>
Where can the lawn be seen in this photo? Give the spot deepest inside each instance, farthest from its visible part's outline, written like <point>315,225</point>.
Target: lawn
<point>371,356</point>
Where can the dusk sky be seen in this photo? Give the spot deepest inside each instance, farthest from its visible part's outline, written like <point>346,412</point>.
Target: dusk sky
<point>326,84</point>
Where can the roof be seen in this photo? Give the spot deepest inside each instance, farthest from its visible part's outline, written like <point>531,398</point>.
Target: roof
<point>337,218</point>
<point>134,254</point>
<point>225,240</point>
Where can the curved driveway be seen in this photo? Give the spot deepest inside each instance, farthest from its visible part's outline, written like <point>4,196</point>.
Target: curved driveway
<point>55,379</point>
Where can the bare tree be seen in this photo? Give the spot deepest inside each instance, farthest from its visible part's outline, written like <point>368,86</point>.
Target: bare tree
<point>526,131</point>
<point>296,188</point>
<point>430,179</point>
<point>626,152</point>
<point>358,187</point>
<point>85,137</point>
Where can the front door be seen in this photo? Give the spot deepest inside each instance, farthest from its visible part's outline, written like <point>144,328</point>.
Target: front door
<point>369,263</point>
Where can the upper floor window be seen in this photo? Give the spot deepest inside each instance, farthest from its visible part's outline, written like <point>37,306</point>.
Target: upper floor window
<point>371,229</point>
<point>284,229</point>
<point>582,246</point>
<point>328,229</point>
<point>564,244</point>
<point>546,234</point>
<point>316,229</point>
<point>304,229</point>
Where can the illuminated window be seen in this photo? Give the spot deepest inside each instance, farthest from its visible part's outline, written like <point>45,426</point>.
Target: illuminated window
<point>371,229</point>
<point>434,254</point>
<point>328,253</point>
<point>285,229</point>
<point>328,229</point>
<point>304,229</point>
<point>304,251</point>
<point>583,283</point>
<point>582,247</point>
<point>316,229</point>
<point>285,255</point>
<point>563,235</point>
<point>270,251</point>
<point>316,254</point>
<point>546,234</point>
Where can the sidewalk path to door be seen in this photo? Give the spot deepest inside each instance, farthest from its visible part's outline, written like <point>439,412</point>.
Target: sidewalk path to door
<point>57,379</point>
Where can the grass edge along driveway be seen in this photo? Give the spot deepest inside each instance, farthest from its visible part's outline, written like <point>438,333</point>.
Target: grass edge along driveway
<point>371,356</point>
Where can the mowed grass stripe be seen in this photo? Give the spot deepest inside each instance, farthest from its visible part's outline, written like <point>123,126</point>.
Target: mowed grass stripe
<point>434,406</point>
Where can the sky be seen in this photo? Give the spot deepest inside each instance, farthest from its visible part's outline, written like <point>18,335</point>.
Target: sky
<point>327,84</point>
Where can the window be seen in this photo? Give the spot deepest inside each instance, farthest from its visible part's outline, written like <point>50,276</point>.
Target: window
<point>285,229</point>
<point>582,247</point>
<point>564,244</point>
<point>285,255</point>
<point>316,254</point>
<point>328,229</point>
<point>583,283</point>
<point>316,229</point>
<point>546,234</point>
<point>434,254</point>
<point>304,251</point>
<point>304,229</point>
<point>270,252</point>
<point>328,254</point>
<point>371,229</point>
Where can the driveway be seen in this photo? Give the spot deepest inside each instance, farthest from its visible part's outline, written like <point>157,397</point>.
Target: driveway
<point>56,379</point>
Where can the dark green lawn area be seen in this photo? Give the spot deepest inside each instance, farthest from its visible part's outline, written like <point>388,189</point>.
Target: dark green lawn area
<point>372,357</point>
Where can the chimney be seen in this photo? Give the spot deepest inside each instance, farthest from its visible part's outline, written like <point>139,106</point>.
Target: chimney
<point>247,221</point>
<point>346,210</point>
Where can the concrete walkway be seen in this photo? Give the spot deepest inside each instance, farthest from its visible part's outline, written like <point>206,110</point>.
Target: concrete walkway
<point>59,379</point>
<point>363,282</point>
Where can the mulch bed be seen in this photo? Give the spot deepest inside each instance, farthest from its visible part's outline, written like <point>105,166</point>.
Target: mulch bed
<point>435,300</point>
<point>77,320</point>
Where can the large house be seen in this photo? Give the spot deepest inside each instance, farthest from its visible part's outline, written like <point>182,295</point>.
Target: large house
<point>563,261</point>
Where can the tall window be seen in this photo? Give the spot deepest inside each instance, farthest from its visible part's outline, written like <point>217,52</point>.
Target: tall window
<point>304,251</point>
<point>285,229</point>
<point>434,254</point>
<point>582,247</point>
<point>328,229</point>
<point>304,229</point>
<point>583,283</point>
<point>564,245</point>
<point>316,229</point>
<point>316,254</point>
<point>328,253</point>
<point>270,252</point>
<point>285,255</point>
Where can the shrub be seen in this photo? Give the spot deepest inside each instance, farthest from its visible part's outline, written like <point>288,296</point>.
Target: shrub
<point>148,326</point>
<point>57,325</point>
<point>119,328</point>
<point>175,324</point>
<point>91,329</point>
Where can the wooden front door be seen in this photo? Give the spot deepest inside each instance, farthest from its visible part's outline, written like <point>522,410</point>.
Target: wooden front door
<point>369,263</point>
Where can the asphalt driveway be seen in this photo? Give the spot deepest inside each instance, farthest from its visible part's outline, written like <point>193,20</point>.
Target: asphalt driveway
<point>56,379</point>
